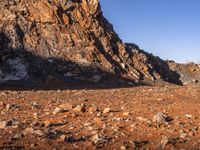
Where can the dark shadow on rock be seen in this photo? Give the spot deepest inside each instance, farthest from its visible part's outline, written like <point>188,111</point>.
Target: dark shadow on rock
<point>53,73</point>
<point>157,65</point>
<point>118,69</point>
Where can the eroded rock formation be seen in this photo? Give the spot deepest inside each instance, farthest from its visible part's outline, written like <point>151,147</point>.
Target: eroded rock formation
<point>70,40</point>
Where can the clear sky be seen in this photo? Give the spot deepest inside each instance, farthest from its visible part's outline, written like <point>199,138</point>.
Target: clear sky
<point>167,28</point>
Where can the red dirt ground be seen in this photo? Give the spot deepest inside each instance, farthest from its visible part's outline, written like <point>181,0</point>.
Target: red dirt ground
<point>78,119</point>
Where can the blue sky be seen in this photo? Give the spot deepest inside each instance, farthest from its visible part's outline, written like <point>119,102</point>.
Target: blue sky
<point>167,28</point>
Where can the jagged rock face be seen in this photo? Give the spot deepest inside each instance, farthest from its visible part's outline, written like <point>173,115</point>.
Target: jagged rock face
<point>72,41</point>
<point>189,73</point>
<point>67,38</point>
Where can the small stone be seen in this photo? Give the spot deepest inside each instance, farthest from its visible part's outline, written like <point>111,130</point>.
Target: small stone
<point>28,131</point>
<point>38,132</point>
<point>35,105</point>
<point>95,138</point>
<point>183,134</point>
<point>8,107</point>
<point>164,142</point>
<point>142,119</point>
<point>51,134</point>
<point>2,104</point>
<point>74,115</point>
<point>106,110</point>
<point>35,115</point>
<point>70,139</point>
<point>161,118</point>
<point>139,144</point>
<point>126,113</point>
<point>46,111</point>
<point>116,119</point>
<point>47,124</point>
<point>80,108</point>
<point>62,138</point>
<point>33,145</point>
<point>12,106</point>
<point>57,110</point>
<point>93,109</point>
<point>71,128</point>
<point>17,136</point>
<point>98,120</point>
<point>66,106</point>
<point>3,124</point>
<point>191,133</point>
<point>13,123</point>
<point>123,148</point>
<point>99,114</point>
<point>188,116</point>
<point>35,124</point>
<point>3,94</point>
<point>32,131</point>
<point>90,128</point>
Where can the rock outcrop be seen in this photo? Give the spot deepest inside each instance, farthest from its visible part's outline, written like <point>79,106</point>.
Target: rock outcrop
<point>70,40</point>
<point>189,73</point>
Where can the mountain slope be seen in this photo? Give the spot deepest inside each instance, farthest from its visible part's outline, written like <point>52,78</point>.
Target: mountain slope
<point>46,40</point>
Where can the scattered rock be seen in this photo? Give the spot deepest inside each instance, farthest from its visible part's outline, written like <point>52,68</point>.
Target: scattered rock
<point>10,123</point>
<point>2,104</point>
<point>161,118</point>
<point>66,106</point>
<point>126,113</point>
<point>188,116</point>
<point>47,123</point>
<point>93,109</point>
<point>116,119</point>
<point>35,115</point>
<point>38,132</point>
<point>122,148</point>
<point>139,144</point>
<point>57,110</point>
<point>95,138</point>
<point>17,136</point>
<point>33,145</point>
<point>106,110</point>
<point>3,124</point>
<point>80,108</point>
<point>52,134</point>
<point>70,139</point>
<point>63,138</point>
<point>183,134</point>
<point>12,107</point>
<point>98,140</point>
<point>164,142</point>
<point>28,131</point>
<point>35,105</point>
<point>142,119</point>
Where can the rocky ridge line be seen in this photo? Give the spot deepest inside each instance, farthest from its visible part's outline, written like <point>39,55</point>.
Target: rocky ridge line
<point>70,40</point>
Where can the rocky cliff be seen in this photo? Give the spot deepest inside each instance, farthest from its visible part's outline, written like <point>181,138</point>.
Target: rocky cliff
<point>70,41</point>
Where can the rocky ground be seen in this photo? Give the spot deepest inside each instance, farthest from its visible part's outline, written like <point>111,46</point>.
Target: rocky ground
<point>51,43</point>
<point>158,117</point>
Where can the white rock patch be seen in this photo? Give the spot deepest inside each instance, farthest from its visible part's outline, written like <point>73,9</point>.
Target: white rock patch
<point>18,71</point>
